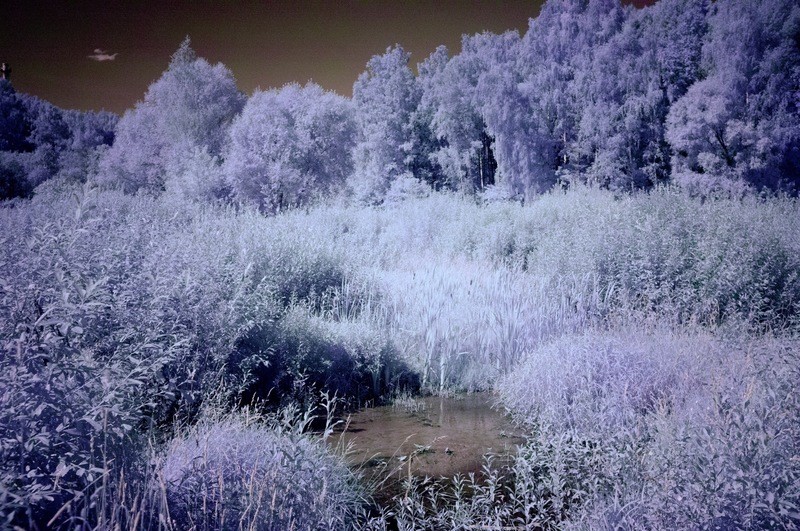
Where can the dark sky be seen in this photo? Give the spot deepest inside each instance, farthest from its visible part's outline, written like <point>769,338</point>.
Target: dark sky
<point>266,44</point>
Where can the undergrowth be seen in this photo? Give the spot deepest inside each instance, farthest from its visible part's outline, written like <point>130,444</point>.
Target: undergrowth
<point>607,323</point>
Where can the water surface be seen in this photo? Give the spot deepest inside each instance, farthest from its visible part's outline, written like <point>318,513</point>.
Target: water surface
<point>433,436</point>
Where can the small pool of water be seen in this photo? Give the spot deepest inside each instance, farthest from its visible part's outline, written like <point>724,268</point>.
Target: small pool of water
<point>429,436</point>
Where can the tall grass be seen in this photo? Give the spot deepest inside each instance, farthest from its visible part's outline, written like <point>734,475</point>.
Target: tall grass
<point>119,315</point>
<point>240,472</point>
<point>664,429</point>
<point>462,326</point>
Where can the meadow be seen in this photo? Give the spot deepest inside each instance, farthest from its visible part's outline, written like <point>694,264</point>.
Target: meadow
<point>168,364</point>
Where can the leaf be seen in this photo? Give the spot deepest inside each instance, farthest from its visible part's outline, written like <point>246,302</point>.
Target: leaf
<point>61,470</point>
<point>93,423</point>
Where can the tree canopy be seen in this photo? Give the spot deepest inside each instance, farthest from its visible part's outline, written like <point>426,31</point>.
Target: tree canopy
<point>699,93</point>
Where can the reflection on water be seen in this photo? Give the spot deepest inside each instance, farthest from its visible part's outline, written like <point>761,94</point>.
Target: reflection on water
<point>437,436</point>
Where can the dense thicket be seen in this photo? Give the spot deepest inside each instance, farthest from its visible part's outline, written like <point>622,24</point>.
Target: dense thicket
<point>39,141</point>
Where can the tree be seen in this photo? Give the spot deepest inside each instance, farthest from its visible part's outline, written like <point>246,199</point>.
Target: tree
<point>13,177</point>
<point>386,96</point>
<point>464,152</point>
<point>524,155</point>
<point>49,137</point>
<point>137,158</point>
<point>190,106</point>
<point>697,129</point>
<point>14,124</point>
<point>739,126</point>
<point>424,143</point>
<point>628,88</point>
<point>289,146</point>
<point>39,141</point>
<point>90,134</point>
<point>555,57</point>
<point>89,130</point>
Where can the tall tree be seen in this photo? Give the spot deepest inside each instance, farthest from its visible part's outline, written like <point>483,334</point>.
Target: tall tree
<point>524,155</point>
<point>386,96</point>
<point>555,53</point>
<point>465,148</point>
<point>91,133</point>
<point>289,146</point>
<point>424,143</point>
<point>628,89</point>
<point>740,126</point>
<point>190,106</point>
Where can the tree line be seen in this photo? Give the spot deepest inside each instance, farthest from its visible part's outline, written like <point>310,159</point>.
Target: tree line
<point>698,93</point>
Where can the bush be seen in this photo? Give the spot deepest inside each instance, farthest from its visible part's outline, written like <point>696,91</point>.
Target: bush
<point>112,323</point>
<point>597,384</point>
<point>658,431</point>
<point>13,177</point>
<point>237,473</point>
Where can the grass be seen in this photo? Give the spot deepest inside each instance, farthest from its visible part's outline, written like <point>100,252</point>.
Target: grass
<point>257,473</point>
<point>648,343</point>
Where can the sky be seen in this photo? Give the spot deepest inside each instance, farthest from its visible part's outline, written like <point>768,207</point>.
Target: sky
<point>103,54</point>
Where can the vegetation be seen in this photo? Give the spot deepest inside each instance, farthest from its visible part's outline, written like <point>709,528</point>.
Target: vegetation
<point>616,328</point>
<point>597,220</point>
<point>691,92</point>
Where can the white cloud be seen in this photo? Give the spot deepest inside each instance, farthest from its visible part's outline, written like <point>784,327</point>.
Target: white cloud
<point>102,55</point>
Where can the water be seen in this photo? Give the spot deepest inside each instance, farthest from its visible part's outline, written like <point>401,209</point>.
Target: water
<point>429,436</point>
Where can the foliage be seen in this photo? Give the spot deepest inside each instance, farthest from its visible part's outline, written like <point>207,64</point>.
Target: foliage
<point>75,385</point>
<point>702,94</point>
<point>121,315</point>
<point>385,98</point>
<point>627,90</point>
<point>13,177</point>
<point>647,342</point>
<point>244,472</point>
<point>290,146</point>
<point>39,141</point>
<point>739,124</point>
<point>189,107</point>
<point>14,126</point>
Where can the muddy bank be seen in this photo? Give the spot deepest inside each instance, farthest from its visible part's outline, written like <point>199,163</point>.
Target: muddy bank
<point>430,436</point>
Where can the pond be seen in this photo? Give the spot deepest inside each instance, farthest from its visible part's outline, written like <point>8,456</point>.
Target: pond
<point>428,436</point>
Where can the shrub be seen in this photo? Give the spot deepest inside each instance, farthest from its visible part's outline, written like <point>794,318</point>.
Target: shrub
<point>236,473</point>
<point>68,406</point>
<point>303,353</point>
<point>596,384</point>
<point>733,465</point>
<point>659,430</point>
